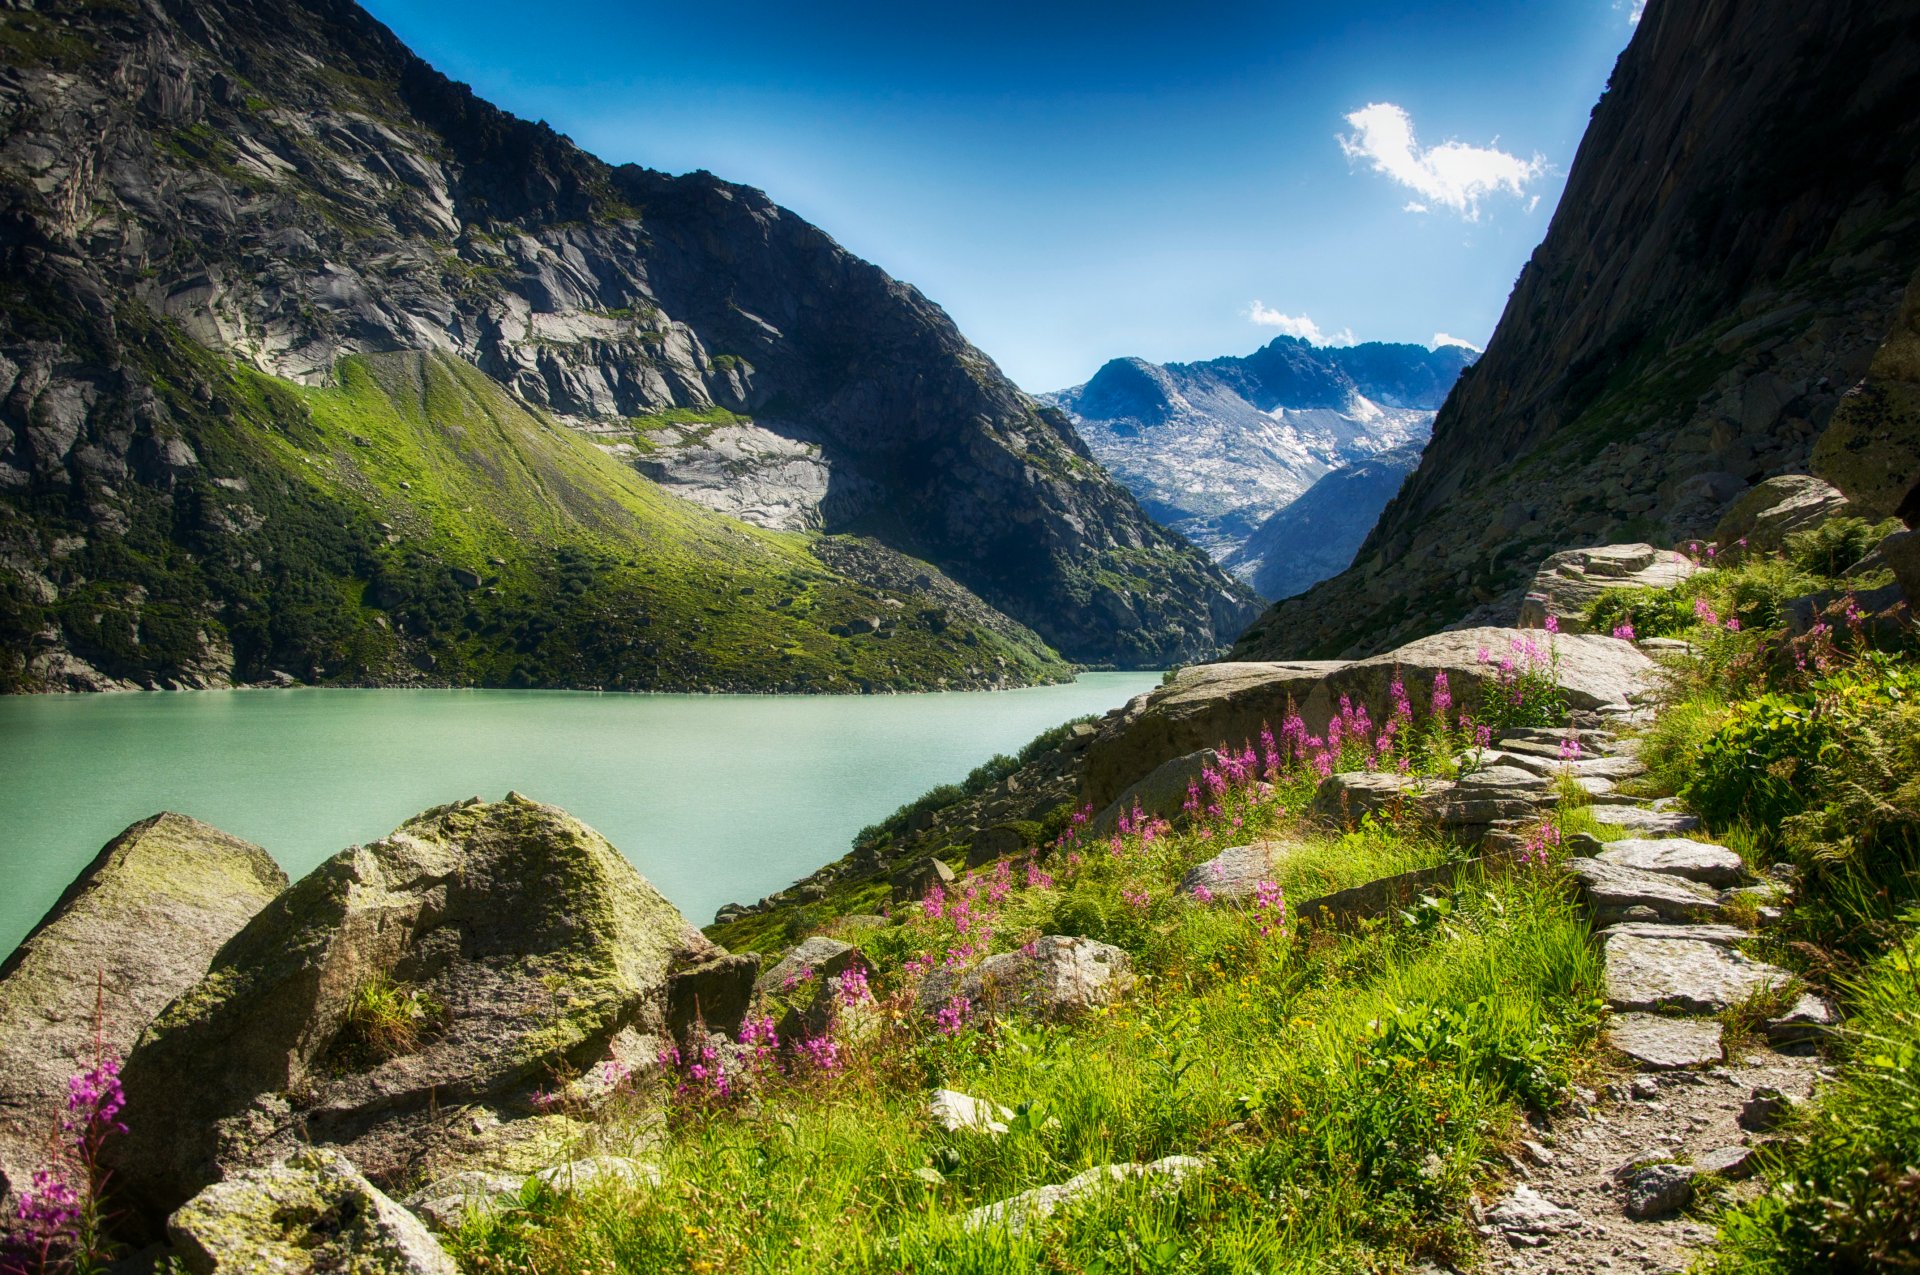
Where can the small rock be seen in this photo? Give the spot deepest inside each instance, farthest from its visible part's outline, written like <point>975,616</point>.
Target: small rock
<point>1727,1162</point>
<point>575,1175</point>
<point>1020,1211</point>
<point>1645,1088</point>
<point>1052,977</point>
<point>1528,1213</point>
<point>1536,1154</point>
<point>1811,1018</point>
<point>444,1204</point>
<point>957,1112</point>
<point>1659,1189</point>
<point>1766,1109</point>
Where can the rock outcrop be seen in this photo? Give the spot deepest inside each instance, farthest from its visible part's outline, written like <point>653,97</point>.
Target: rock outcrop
<point>213,211</point>
<point>137,927</point>
<point>1569,582</point>
<point>1725,266</point>
<point>404,1002</point>
<point>1053,977</point>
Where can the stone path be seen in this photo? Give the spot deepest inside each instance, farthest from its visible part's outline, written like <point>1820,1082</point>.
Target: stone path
<point>1607,1186</point>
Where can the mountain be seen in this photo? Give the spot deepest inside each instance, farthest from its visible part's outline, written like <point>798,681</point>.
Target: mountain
<point>1212,449</point>
<point>1316,535</point>
<point>1735,237</point>
<point>315,366</point>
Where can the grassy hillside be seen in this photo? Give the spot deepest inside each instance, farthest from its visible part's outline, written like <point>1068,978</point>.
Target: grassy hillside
<point>413,522</point>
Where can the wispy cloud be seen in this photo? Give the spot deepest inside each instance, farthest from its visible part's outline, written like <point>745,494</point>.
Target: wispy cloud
<point>1441,338</point>
<point>1636,9</point>
<point>1297,325</point>
<point>1451,175</point>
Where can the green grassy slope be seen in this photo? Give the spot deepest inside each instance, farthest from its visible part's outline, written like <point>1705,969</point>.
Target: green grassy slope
<point>414,522</point>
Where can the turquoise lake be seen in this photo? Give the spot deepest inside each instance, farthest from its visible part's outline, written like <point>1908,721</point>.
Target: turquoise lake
<point>716,798</point>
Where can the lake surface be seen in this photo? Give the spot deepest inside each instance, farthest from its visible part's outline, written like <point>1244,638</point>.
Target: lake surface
<point>716,798</point>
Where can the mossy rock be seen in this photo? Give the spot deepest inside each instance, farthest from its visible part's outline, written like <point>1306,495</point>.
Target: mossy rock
<point>540,940</point>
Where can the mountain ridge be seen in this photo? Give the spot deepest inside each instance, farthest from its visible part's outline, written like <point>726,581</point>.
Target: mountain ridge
<point>285,185</point>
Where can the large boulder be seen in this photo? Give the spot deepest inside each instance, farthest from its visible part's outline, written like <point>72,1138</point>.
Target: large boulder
<point>134,930</point>
<point>1163,792</point>
<point>1568,582</point>
<point>1052,977</point>
<point>1234,875</point>
<point>1871,447</point>
<point>1779,507</point>
<point>1210,704</point>
<point>405,1002</point>
<point>309,1215</point>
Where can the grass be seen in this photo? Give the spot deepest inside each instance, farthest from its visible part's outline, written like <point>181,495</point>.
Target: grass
<point>1346,1089</point>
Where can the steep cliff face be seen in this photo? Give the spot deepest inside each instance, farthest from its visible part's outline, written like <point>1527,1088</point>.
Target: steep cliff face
<point>1736,232</point>
<point>1213,449</point>
<point>207,205</point>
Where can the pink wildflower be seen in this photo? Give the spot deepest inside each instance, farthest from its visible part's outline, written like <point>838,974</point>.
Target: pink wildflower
<point>952,1016</point>
<point>1624,631</point>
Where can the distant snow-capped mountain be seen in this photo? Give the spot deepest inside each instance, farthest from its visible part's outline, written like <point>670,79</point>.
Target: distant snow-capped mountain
<point>1215,449</point>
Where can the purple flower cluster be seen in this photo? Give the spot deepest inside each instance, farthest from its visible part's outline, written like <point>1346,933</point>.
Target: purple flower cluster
<point>952,1016</point>
<point>1269,907</point>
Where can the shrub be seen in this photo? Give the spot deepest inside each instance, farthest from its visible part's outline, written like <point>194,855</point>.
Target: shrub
<point>1835,545</point>
<point>1755,768</point>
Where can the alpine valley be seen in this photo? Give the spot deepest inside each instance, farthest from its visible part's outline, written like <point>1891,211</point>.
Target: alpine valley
<point>316,368</point>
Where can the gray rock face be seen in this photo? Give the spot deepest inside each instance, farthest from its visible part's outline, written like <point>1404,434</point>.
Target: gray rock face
<point>1694,860</point>
<point>1019,1212</point>
<point>1666,1043</point>
<point>521,943</point>
<point>1658,1189</point>
<point>1059,977</point>
<point>1569,582</point>
<point>310,1215</point>
<point>1234,874</point>
<point>1619,893</point>
<point>445,1203</point>
<point>1720,935</point>
<point>136,928</point>
<point>1496,793</point>
<point>1317,535</point>
<point>1677,974</point>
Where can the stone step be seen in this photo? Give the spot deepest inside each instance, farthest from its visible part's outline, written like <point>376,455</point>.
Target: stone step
<point>1666,1044</point>
<point>1678,857</point>
<point>1666,974</point>
<point>1643,820</point>
<point>1617,893</point>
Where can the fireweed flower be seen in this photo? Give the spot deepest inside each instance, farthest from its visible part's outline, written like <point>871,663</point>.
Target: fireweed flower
<point>935,904</point>
<point>1269,906</point>
<point>1570,748</point>
<point>1036,879</point>
<point>852,988</point>
<point>1442,695</point>
<point>1624,631</point>
<point>821,1053</point>
<point>1202,895</point>
<point>1553,623</point>
<point>1138,900</point>
<point>952,1016</point>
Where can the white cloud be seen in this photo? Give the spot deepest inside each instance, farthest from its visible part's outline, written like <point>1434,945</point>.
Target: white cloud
<point>1453,174</point>
<point>1298,325</point>
<point>1441,338</point>
<point>1414,205</point>
<point>1636,10</point>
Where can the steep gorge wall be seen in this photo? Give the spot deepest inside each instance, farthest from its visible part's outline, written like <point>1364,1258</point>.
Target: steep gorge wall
<point>1737,231</point>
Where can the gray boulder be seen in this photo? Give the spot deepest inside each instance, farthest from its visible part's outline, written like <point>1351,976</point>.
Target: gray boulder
<point>1678,857</point>
<point>912,882</point>
<point>1235,873</point>
<point>516,941</point>
<point>1377,897</point>
<point>1494,794</point>
<point>1646,821</point>
<point>312,1214</point>
<point>1677,974</point>
<point>1811,1018</point>
<point>1658,1189</point>
<point>798,989</point>
<point>1568,582</point>
<point>1054,977</point>
<point>1777,508</point>
<point>1163,792</point>
<point>136,928</point>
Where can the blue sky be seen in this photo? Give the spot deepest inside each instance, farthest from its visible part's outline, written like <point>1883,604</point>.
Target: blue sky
<point>1077,181</point>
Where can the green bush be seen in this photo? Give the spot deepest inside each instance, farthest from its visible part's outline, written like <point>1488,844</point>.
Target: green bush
<point>1835,545</point>
<point>1756,768</point>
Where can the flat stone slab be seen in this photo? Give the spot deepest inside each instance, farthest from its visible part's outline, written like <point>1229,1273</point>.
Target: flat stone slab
<point>1666,1043</point>
<point>1620,893</point>
<point>1722,935</point>
<point>1641,819</point>
<point>1677,857</point>
<point>1609,767</point>
<point>957,1113</point>
<point>1701,978</point>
